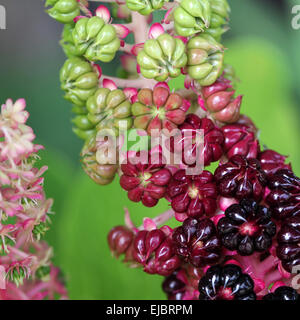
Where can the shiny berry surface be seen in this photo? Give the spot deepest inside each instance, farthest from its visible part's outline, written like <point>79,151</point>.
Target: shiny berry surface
<point>239,140</point>
<point>247,227</point>
<point>196,242</point>
<point>173,287</point>
<point>226,283</point>
<point>145,178</point>
<point>288,238</point>
<point>194,195</point>
<point>272,161</point>
<point>191,144</point>
<point>284,198</point>
<point>155,251</point>
<point>282,293</point>
<point>119,240</point>
<point>241,178</point>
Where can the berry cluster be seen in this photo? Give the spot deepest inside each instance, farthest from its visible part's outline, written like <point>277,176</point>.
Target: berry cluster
<point>239,234</point>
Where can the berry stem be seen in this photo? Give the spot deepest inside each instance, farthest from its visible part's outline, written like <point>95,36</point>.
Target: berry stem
<point>126,48</point>
<point>132,83</point>
<point>164,217</point>
<point>171,5</point>
<point>85,10</point>
<point>139,27</point>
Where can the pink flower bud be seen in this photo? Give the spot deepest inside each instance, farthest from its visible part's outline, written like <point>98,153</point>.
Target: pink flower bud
<point>104,13</point>
<point>155,31</point>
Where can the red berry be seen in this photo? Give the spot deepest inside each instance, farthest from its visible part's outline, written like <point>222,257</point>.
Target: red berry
<point>119,240</point>
<point>159,109</point>
<point>241,178</point>
<point>155,251</point>
<point>240,140</point>
<point>271,161</point>
<point>196,242</point>
<point>194,195</point>
<point>146,180</point>
<point>220,102</point>
<point>284,198</point>
<point>209,151</point>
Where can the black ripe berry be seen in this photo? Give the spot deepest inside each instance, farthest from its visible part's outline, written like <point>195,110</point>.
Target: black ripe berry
<point>283,293</point>
<point>226,283</point>
<point>247,227</point>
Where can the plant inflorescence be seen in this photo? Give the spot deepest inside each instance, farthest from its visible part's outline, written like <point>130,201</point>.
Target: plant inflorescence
<point>239,232</point>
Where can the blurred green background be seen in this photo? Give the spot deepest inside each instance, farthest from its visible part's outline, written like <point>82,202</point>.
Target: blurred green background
<point>263,48</point>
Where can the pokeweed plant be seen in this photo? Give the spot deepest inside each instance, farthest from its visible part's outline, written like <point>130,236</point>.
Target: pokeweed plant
<point>239,232</point>
<point>26,269</point>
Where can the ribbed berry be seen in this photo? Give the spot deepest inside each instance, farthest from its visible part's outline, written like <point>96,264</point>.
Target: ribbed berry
<point>282,293</point>
<point>183,283</point>
<point>192,150</point>
<point>271,161</point>
<point>173,287</point>
<point>288,238</point>
<point>247,227</point>
<point>194,195</point>
<point>119,240</point>
<point>284,198</point>
<point>240,140</point>
<point>158,109</point>
<point>220,102</point>
<point>155,251</point>
<point>226,283</point>
<point>196,241</point>
<point>145,180</point>
<point>241,178</point>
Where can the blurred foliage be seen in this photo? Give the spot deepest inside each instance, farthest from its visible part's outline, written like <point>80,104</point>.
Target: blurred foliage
<point>265,53</point>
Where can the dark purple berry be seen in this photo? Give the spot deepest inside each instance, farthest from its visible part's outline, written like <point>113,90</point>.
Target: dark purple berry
<point>247,227</point>
<point>282,293</point>
<point>173,287</point>
<point>196,241</point>
<point>241,178</point>
<point>288,238</point>
<point>194,195</point>
<point>210,150</point>
<point>272,161</point>
<point>226,283</point>
<point>284,198</point>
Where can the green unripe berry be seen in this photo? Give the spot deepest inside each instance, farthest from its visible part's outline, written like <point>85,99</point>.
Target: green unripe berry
<point>109,110</point>
<point>199,16</point>
<point>63,11</point>
<point>79,80</point>
<point>95,40</point>
<point>145,7</point>
<point>67,42</point>
<point>162,58</point>
<point>101,173</point>
<point>205,59</point>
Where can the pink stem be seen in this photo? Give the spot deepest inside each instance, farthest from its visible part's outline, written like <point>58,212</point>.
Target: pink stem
<point>126,48</point>
<point>132,83</point>
<point>37,289</point>
<point>139,27</point>
<point>164,217</point>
